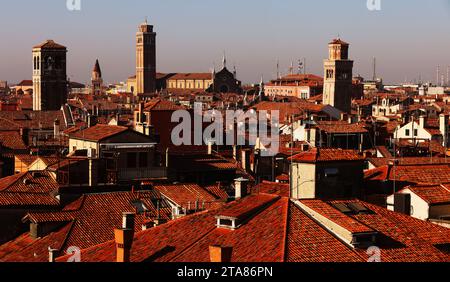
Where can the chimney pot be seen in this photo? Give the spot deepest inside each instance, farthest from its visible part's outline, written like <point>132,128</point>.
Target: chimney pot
<point>51,254</point>
<point>128,220</point>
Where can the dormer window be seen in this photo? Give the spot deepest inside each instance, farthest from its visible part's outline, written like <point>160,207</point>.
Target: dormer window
<point>226,222</point>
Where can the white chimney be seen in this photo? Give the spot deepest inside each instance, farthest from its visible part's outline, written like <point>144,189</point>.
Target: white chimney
<point>422,122</point>
<point>240,188</point>
<point>210,144</point>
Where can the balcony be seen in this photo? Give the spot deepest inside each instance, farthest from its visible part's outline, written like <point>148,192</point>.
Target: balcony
<point>141,173</point>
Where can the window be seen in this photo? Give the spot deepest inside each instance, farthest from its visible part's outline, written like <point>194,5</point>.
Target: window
<point>407,132</point>
<point>131,160</point>
<point>331,172</point>
<point>415,132</point>
<point>143,159</point>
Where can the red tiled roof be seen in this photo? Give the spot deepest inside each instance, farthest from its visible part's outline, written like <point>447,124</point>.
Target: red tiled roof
<point>49,44</point>
<point>98,132</point>
<point>340,127</point>
<point>272,188</point>
<point>338,41</point>
<point>281,231</point>
<point>29,182</point>
<point>307,242</point>
<point>25,82</point>
<point>432,174</point>
<point>161,105</point>
<point>12,140</point>
<point>217,191</point>
<point>9,199</point>
<point>26,249</point>
<point>186,195</point>
<point>188,76</point>
<point>410,161</point>
<point>432,194</point>
<point>316,155</point>
<point>243,209</point>
<point>337,217</point>
<point>408,239</point>
<point>93,218</point>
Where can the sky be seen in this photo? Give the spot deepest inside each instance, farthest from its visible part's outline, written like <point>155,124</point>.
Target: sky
<point>409,38</point>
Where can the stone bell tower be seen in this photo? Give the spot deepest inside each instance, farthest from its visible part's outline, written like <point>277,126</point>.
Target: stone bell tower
<point>338,73</point>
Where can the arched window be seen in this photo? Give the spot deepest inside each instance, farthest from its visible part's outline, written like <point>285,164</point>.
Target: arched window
<point>38,62</point>
<point>34,62</point>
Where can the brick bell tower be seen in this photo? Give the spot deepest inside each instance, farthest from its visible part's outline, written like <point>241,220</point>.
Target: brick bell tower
<point>49,76</point>
<point>145,59</point>
<point>338,73</point>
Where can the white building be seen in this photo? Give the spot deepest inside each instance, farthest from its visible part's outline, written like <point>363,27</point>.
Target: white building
<point>427,202</point>
<point>422,131</point>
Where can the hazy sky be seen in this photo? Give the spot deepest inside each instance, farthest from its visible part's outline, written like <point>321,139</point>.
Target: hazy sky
<point>408,37</point>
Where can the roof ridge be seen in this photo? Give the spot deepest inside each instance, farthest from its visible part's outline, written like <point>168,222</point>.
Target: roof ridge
<point>286,227</point>
<point>63,243</point>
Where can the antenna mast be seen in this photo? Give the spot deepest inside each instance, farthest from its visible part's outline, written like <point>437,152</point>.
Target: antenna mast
<point>374,69</point>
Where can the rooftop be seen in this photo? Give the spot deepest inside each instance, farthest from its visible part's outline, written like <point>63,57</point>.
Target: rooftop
<point>317,155</point>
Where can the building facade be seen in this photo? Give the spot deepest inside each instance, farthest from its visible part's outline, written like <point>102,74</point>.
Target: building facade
<point>49,76</point>
<point>338,73</point>
<point>303,86</point>
<point>191,81</point>
<point>145,59</point>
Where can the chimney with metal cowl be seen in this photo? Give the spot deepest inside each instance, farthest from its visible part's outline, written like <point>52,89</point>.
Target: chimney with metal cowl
<point>218,254</point>
<point>124,237</point>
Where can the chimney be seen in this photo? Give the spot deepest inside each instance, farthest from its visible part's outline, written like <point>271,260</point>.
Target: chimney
<point>210,144</point>
<point>56,129</point>
<point>422,121</point>
<point>51,254</point>
<point>443,127</point>
<point>240,188</point>
<point>220,254</point>
<point>124,237</point>
<point>245,159</point>
<point>235,152</point>
<point>91,120</point>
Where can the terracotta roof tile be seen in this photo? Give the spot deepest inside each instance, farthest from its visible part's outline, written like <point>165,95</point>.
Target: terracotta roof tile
<point>432,194</point>
<point>49,44</point>
<point>316,155</point>
<point>98,132</point>
<point>186,195</point>
<point>282,232</point>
